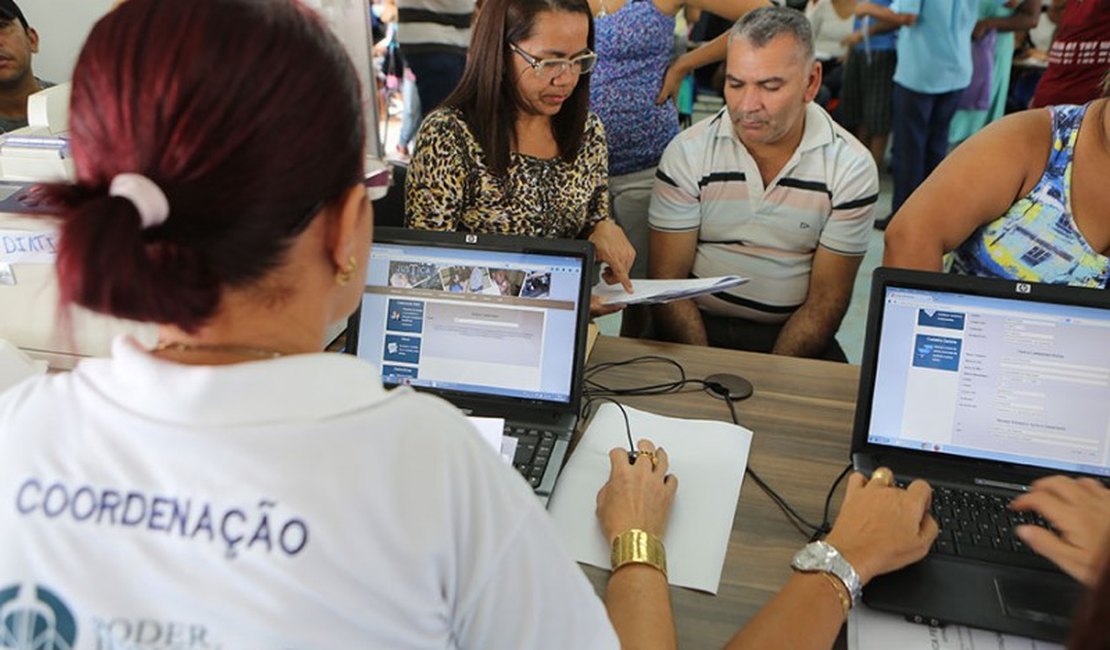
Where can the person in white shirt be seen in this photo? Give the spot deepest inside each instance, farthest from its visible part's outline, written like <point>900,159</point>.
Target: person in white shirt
<point>832,27</point>
<point>233,486</point>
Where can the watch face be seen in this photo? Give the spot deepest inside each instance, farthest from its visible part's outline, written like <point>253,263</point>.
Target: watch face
<point>812,557</point>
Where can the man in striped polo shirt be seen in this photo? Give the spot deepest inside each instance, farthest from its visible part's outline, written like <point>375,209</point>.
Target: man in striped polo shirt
<point>769,188</point>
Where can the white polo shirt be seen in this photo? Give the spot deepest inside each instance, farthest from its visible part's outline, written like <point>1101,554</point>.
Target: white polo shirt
<point>287,503</point>
<point>824,196</point>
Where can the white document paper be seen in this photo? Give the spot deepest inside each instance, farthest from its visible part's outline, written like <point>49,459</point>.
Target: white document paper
<point>656,291</point>
<point>707,456</point>
<point>872,630</point>
<point>508,448</point>
<point>491,430</point>
<point>28,246</point>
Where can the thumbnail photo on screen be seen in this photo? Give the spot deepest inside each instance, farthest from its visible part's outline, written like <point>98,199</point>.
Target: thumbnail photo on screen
<point>415,275</point>
<point>536,285</point>
<point>507,281</point>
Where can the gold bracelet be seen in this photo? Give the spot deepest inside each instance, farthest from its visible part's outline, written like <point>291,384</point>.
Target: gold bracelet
<point>635,546</point>
<point>841,591</point>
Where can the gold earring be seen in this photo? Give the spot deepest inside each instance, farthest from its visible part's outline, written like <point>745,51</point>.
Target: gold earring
<point>344,276</point>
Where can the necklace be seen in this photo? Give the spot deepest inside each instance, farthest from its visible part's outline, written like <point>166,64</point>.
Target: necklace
<point>242,350</point>
<point>604,10</point>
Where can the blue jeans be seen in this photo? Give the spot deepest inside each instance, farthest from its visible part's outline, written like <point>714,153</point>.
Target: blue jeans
<point>410,118</point>
<point>921,122</point>
<point>437,74</point>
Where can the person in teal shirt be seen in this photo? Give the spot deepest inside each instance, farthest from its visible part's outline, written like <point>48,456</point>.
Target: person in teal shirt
<point>934,66</point>
<point>1003,18</point>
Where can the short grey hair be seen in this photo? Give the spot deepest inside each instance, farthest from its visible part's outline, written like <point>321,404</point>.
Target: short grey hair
<point>760,26</point>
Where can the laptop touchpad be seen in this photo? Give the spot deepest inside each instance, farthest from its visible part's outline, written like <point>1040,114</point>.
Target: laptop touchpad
<point>1029,600</point>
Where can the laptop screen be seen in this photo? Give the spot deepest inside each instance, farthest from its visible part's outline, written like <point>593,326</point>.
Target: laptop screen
<point>992,378</point>
<point>484,322</point>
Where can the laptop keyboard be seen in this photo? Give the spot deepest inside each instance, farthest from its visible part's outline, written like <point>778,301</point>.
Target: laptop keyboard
<point>980,525</point>
<point>533,451</point>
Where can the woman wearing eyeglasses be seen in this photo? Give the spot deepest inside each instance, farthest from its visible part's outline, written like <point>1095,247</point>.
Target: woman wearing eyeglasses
<point>515,150</point>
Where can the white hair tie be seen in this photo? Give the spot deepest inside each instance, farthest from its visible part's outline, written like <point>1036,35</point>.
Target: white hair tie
<point>148,198</point>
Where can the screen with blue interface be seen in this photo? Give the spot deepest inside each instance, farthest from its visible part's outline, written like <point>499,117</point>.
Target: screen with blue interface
<point>484,322</point>
<point>993,378</point>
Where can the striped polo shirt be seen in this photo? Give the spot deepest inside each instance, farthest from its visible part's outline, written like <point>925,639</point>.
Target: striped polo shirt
<point>824,196</point>
<point>426,26</point>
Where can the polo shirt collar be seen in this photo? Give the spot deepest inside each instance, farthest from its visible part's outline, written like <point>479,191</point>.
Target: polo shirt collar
<point>283,390</point>
<point>818,128</point>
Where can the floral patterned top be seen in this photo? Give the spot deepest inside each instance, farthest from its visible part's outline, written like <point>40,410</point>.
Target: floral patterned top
<point>634,47</point>
<point>448,186</point>
<point>1037,239</point>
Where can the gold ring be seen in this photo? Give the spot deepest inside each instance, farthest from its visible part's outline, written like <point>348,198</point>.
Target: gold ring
<point>652,456</point>
<point>883,476</point>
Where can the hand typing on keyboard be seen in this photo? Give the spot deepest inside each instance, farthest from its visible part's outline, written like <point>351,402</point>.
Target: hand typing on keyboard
<point>1079,511</point>
<point>881,528</point>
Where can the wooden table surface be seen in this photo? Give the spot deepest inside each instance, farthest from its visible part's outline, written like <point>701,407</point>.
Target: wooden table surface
<point>801,415</point>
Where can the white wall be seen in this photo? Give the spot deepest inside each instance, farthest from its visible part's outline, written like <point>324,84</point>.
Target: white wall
<point>62,26</point>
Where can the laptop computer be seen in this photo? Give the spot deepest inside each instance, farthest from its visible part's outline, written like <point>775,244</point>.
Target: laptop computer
<point>981,386</point>
<point>496,325</point>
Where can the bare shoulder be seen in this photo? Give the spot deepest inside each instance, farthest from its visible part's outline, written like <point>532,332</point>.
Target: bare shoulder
<point>1019,142</point>
<point>1030,129</point>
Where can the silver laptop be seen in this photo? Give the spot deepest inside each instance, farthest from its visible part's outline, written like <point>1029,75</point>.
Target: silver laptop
<point>496,325</point>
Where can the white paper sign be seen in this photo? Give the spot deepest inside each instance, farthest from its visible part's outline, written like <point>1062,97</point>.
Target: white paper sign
<point>872,630</point>
<point>28,246</point>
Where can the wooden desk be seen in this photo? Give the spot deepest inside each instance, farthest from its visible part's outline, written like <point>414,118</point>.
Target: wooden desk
<point>801,413</point>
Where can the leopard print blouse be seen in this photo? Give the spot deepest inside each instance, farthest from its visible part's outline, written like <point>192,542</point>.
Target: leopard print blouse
<point>449,188</point>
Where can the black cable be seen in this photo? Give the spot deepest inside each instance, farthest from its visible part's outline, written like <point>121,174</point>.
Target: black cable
<point>594,387</point>
<point>826,525</point>
<point>627,427</point>
<point>595,390</point>
<point>804,526</point>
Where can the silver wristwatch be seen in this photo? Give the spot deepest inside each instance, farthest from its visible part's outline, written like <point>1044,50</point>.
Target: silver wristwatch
<point>821,556</point>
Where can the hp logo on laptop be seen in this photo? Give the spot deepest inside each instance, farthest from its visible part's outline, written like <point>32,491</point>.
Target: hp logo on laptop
<point>1023,287</point>
<point>473,239</point>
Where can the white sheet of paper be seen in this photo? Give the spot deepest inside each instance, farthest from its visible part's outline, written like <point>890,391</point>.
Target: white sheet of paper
<point>28,246</point>
<point>656,291</point>
<point>508,448</point>
<point>872,630</point>
<point>708,457</point>
<point>491,430</point>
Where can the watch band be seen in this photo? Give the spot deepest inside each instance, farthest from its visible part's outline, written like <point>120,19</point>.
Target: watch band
<point>822,556</point>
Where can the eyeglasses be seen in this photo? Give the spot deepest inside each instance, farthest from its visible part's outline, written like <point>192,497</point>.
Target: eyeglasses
<point>552,68</point>
<point>377,178</point>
